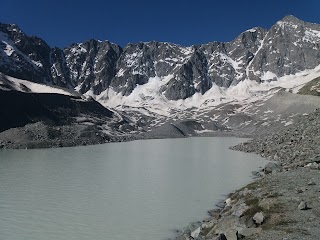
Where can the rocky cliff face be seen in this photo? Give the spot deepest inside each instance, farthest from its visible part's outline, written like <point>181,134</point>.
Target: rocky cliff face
<point>291,45</point>
<point>23,56</point>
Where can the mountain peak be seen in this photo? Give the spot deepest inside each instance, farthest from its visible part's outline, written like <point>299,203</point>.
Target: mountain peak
<point>5,27</point>
<point>290,19</point>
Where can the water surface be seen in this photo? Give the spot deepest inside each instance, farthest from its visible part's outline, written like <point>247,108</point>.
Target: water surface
<point>135,190</point>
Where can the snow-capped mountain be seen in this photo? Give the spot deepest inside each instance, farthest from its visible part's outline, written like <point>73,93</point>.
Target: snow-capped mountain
<point>154,73</point>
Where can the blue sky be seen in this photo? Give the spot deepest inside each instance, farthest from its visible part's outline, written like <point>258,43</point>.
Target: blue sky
<point>62,22</point>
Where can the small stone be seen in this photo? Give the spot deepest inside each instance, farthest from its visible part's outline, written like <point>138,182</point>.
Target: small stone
<point>259,218</point>
<point>221,237</point>
<point>311,183</point>
<point>303,205</point>
<point>302,189</point>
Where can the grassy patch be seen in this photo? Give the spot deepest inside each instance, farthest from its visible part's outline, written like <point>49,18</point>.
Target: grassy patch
<point>253,185</point>
<point>273,195</point>
<point>285,222</point>
<point>253,210</point>
<point>310,88</point>
<point>206,231</point>
<point>252,201</point>
<point>276,208</point>
<point>253,204</point>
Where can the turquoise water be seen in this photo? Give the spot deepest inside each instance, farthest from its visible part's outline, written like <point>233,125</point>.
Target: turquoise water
<point>134,190</point>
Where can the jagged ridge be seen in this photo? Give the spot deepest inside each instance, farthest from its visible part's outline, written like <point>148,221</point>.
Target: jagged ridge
<point>92,67</point>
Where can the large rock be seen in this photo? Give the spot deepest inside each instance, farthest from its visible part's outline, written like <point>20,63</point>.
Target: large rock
<point>196,232</point>
<point>272,167</point>
<point>228,202</point>
<point>192,227</point>
<point>259,218</point>
<point>240,209</point>
<point>231,234</point>
<point>247,232</point>
<point>227,223</point>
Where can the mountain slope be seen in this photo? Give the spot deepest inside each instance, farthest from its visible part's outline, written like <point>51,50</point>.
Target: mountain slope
<point>311,88</point>
<point>55,109</point>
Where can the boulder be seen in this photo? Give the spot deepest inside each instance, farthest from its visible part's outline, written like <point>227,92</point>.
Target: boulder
<point>225,224</point>
<point>240,210</point>
<point>272,167</point>
<point>259,218</point>
<point>232,234</point>
<point>247,221</point>
<point>196,232</point>
<point>192,227</point>
<point>247,232</point>
<point>228,201</point>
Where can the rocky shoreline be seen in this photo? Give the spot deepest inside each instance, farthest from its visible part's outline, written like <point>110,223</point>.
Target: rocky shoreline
<point>42,135</point>
<point>281,205</point>
<point>284,201</point>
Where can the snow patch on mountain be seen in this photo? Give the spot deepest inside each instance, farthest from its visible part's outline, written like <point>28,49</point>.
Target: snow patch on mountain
<point>148,96</point>
<point>10,83</point>
<point>311,36</point>
<point>8,45</point>
<point>268,76</point>
<point>232,62</point>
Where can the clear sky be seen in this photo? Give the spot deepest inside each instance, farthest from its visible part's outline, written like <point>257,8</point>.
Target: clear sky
<point>186,22</point>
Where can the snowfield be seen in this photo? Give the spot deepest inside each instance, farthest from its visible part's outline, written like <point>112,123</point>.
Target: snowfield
<point>149,96</point>
<point>149,99</point>
<point>10,83</point>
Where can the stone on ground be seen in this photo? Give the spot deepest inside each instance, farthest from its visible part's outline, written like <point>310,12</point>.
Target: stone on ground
<point>303,205</point>
<point>259,218</point>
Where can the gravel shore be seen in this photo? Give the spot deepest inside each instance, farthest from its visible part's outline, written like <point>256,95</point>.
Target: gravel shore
<point>284,200</point>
